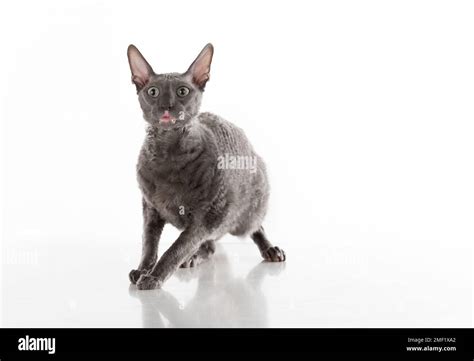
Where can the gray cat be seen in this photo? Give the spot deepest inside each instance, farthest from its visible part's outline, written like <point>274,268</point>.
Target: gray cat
<point>196,171</point>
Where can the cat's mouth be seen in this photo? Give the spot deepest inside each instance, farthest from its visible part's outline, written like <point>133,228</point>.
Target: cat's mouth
<point>167,118</point>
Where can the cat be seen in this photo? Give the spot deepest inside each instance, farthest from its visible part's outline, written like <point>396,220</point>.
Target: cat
<point>182,177</point>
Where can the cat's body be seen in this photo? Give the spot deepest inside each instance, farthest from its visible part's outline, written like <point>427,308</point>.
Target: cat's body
<point>184,178</point>
<point>179,176</point>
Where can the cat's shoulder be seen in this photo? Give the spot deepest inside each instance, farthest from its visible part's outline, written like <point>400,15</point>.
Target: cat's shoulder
<point>214,121</point>
<point>208,118</point>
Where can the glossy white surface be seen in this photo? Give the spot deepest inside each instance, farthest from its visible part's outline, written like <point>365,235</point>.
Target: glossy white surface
<point>356,283</point>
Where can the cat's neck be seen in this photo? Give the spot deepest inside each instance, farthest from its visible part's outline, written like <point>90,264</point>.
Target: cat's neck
<point>177,140</point>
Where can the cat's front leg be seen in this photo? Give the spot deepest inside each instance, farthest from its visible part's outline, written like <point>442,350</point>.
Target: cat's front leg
<point>182,249</point>
<point>152,227</point>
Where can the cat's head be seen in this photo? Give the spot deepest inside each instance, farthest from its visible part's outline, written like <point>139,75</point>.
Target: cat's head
<point>170,100</point>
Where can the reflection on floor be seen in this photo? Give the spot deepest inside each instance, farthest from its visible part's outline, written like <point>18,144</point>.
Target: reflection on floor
<point>356,280</point>
<point>221,299</point>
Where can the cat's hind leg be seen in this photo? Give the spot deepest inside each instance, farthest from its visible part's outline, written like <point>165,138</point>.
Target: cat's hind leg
<point>267,250</point>
<point>205,251</point>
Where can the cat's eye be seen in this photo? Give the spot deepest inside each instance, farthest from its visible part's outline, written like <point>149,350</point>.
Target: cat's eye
<point>153,91</point>
<point>182,91</point>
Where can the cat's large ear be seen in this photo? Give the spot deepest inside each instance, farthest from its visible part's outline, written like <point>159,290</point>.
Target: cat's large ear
<point>200,69</point>
<point>141,70</point>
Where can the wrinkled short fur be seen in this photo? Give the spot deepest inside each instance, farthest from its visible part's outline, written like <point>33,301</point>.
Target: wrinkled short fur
<point>179,177</point>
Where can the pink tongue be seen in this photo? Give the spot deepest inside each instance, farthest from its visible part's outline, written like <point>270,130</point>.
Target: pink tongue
<point>165,118</point>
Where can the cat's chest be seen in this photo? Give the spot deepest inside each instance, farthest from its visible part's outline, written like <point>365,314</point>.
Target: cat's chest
<point>171,206</point>
<point>163,188</point>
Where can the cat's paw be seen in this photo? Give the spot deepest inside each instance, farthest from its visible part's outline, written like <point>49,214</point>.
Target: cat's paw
<point>135,274</point>
<point>274,254</point>
<point>191,262</point>
<point>206,250</point>
<point>147,282</point>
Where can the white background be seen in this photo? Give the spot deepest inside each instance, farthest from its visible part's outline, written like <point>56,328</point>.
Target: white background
<point>362,111</point>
